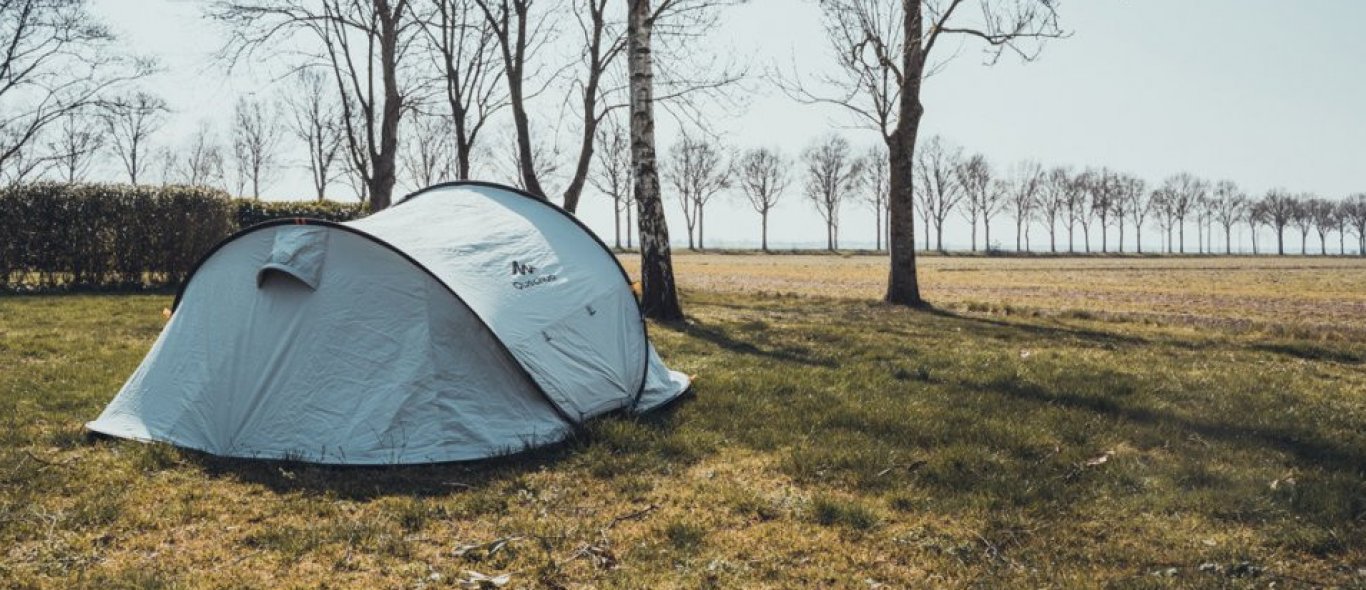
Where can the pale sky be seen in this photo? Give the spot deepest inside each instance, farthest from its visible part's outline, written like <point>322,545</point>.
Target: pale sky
<point>1267,93</point>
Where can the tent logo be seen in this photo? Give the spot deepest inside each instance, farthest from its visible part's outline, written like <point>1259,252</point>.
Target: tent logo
<point>521,269</point>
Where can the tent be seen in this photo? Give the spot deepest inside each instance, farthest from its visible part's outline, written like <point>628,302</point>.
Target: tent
<point>466,321</point>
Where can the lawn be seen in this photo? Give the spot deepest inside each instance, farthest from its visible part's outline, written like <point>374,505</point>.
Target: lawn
<point>1051,423</point>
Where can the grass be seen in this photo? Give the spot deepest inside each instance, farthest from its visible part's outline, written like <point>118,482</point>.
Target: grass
<point>831,442</point>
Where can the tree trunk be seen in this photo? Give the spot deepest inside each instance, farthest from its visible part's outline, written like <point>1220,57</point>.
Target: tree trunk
<point>701,243</point>
<point>986,234</point>
<point>385,162</point>
<point>1280,241</point>
<point>763,230</point>
<point>1052,238</point>
<point>628,226</point>
<point>1138,236</point>
<point>659,294</point>
<point>877,227</point>
<point>616,219</point>
<point>974,234</point>
<point>927,234</point>
<point>939,235</point>
<point>1104,235</point>
<point>1181,234</point>
<point>1121,235</point>
<point>1019,233</point>
<point>903,287</point>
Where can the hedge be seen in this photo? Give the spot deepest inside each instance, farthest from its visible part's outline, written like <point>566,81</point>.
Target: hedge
<point>82,236</point>
<point>251,212</point>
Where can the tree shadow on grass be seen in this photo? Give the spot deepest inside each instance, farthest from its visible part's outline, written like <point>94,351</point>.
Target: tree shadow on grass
<point>1311,352</point>
<point>994,327</point>
<point>1307,448</point>
<point>721,336</point>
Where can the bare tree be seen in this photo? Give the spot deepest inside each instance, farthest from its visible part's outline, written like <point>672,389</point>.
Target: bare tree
<point>1302,217</point>
<point>429,151</point>
<point>980,199</point>
<point>1078,209</point>
<point>1103,188</point>
<point>1025,184</point>
<point>1053,201</point>
<point>315,120</point>
<point>518,32</point>
<point>697,169</point>
<point>75,146</point>
<point>1229,206</point>
<point>131,120</point>
<point>201,162</point>
<point>1256,217</point>
<point>612,175</point>
<point>1185,192</point>
<point>55,60</point>
<point>1137,206</point>
<point>832,172</point>
<point>883,48</point>
<point>25,163</point>
<point>602,43</point>
<point>1161,202</point>
<point>546,162</point>
<point>874,185</point>
<point>762,176</point>
<point>1325,214</point>
<point>363,43</point>
<point>1354,210</point>
<point>939,188</point>
<point>468,58</point>
<point>1125,186</point>
<point>1278,209</point>
<point>255,139</point>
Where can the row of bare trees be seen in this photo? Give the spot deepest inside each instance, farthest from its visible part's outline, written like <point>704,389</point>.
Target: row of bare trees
<point>1079,210</point>
<point>1094,201</point>
<point>828,173</point>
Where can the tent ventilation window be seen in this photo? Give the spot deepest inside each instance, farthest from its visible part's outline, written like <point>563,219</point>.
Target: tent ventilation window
<point>297,252</point>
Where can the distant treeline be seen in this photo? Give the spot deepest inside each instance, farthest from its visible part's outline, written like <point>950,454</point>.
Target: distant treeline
<point>56,236</point>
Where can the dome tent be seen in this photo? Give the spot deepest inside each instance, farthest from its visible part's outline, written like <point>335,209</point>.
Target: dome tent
<point>466,321</point>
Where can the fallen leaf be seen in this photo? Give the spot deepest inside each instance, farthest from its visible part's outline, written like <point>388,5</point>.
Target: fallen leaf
<point>1100,460</point>
<point>475,579</point>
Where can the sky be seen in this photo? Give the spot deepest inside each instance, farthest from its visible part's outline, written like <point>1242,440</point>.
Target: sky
<point>1266,93</point>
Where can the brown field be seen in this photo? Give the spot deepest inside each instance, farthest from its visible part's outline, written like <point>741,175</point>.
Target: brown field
<point>1305,296</point>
